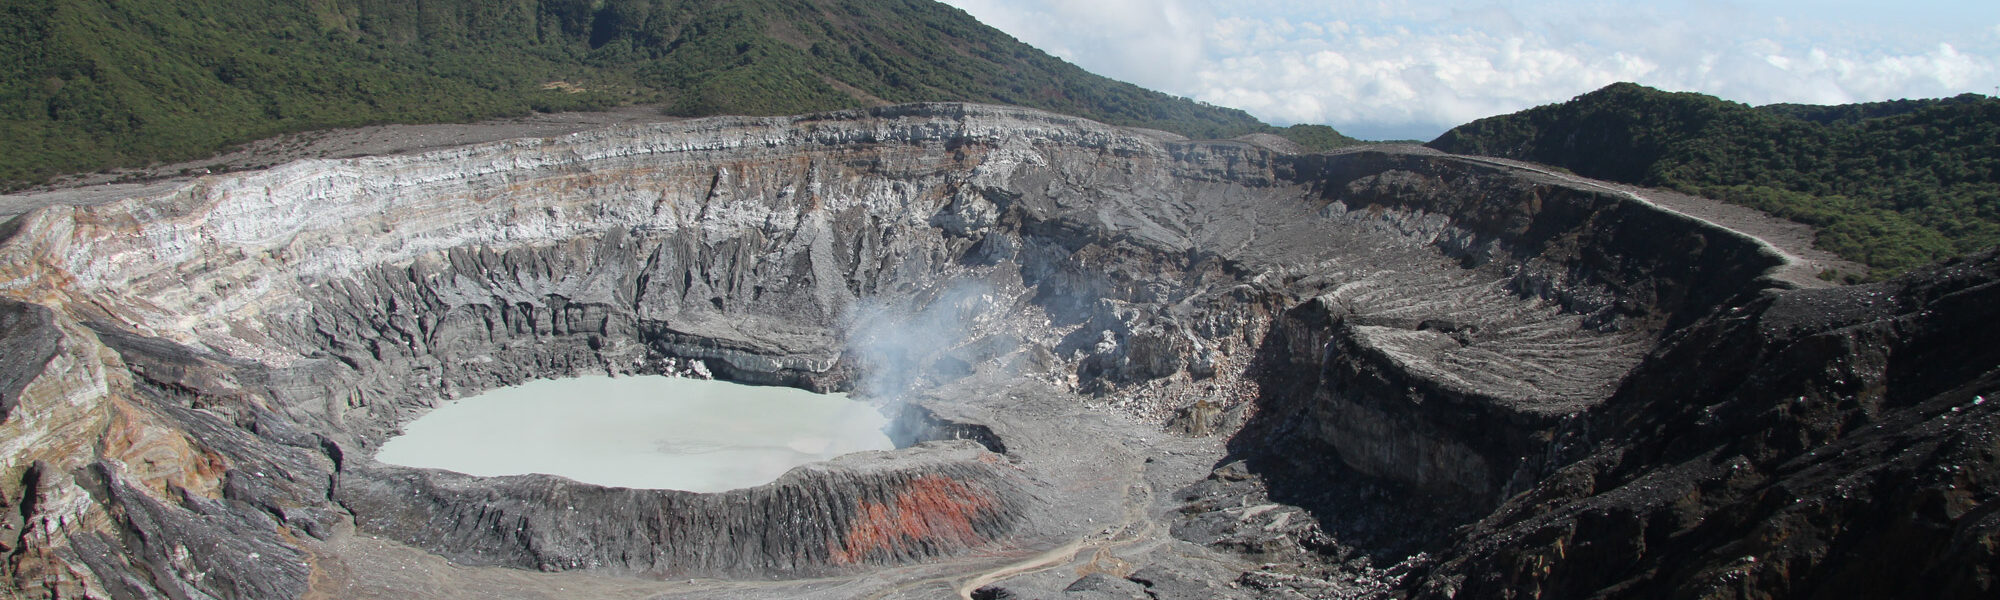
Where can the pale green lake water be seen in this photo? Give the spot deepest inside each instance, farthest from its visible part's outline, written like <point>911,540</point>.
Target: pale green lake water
<point>639,432</point>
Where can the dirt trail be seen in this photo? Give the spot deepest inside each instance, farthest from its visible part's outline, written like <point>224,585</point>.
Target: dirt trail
<point>1790,239</point>
<point>1138,500</point>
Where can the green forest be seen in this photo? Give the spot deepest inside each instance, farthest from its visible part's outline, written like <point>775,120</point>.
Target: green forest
<point>93,84</point>
<point>1891,185</point>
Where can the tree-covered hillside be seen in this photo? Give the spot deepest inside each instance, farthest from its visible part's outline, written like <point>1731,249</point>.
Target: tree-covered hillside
<point>1888,184</point>
<point>96,83</point>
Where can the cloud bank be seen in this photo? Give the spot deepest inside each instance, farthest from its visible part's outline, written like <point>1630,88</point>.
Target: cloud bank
<point>1389,69</point>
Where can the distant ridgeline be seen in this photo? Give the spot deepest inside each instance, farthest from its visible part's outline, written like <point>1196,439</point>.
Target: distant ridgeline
<point>1888,184</point>
<point>88,84</point>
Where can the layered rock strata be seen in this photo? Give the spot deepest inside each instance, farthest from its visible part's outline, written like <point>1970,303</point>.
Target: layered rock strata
<point>1423,378</point>
<point>213,366</point>
<point>1832,443</point>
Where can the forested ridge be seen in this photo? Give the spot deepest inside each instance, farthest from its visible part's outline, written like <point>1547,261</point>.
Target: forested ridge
<point>89,84</point>
<point>1891,185</point>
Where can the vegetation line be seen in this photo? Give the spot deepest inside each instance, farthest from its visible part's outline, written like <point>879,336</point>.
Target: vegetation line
<point>93,84</point>
<point>1892,185</point>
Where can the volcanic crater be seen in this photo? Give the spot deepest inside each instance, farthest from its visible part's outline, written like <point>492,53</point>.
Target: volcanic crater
<point>1121,359</point>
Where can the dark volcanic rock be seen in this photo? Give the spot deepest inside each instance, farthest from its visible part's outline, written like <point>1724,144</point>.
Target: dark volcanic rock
<point>859,510</point>
<point>28,339</point>
<point>1837,443</point>
<point>1596,252</point>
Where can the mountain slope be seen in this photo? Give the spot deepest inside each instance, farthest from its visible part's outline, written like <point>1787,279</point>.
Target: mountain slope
<point>118,82</point>
<point>1891,184</point>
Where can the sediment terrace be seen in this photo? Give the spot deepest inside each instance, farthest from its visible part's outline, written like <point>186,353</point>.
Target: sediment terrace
<point>204,372</point>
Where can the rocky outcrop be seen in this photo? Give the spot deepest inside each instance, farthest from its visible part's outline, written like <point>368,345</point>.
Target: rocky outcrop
<point>1422,378</point>
<point>1836,443</point>
<point>1612,257</point>
<point>217,363</point>
<point>29,339</point>
<point>1461,402</point>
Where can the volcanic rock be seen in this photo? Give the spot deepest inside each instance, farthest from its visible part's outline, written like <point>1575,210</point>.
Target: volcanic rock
<point>196,379</point>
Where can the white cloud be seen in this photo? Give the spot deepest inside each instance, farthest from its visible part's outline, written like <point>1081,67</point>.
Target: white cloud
<point>1139,40</point>
<point>1386,69</point>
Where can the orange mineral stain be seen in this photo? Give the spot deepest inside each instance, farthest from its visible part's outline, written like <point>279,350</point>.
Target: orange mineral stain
<point>931,508</point>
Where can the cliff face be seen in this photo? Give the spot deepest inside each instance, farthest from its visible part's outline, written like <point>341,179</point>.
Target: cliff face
<point>858,510</point>
<point>1423,379</point>
<point>1835,443</point>
<point>215,365</point>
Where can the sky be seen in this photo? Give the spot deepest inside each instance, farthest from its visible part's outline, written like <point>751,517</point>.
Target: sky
<point>1400,69</point>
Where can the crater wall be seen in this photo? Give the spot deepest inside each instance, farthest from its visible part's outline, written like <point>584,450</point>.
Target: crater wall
<point>225,356</point>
